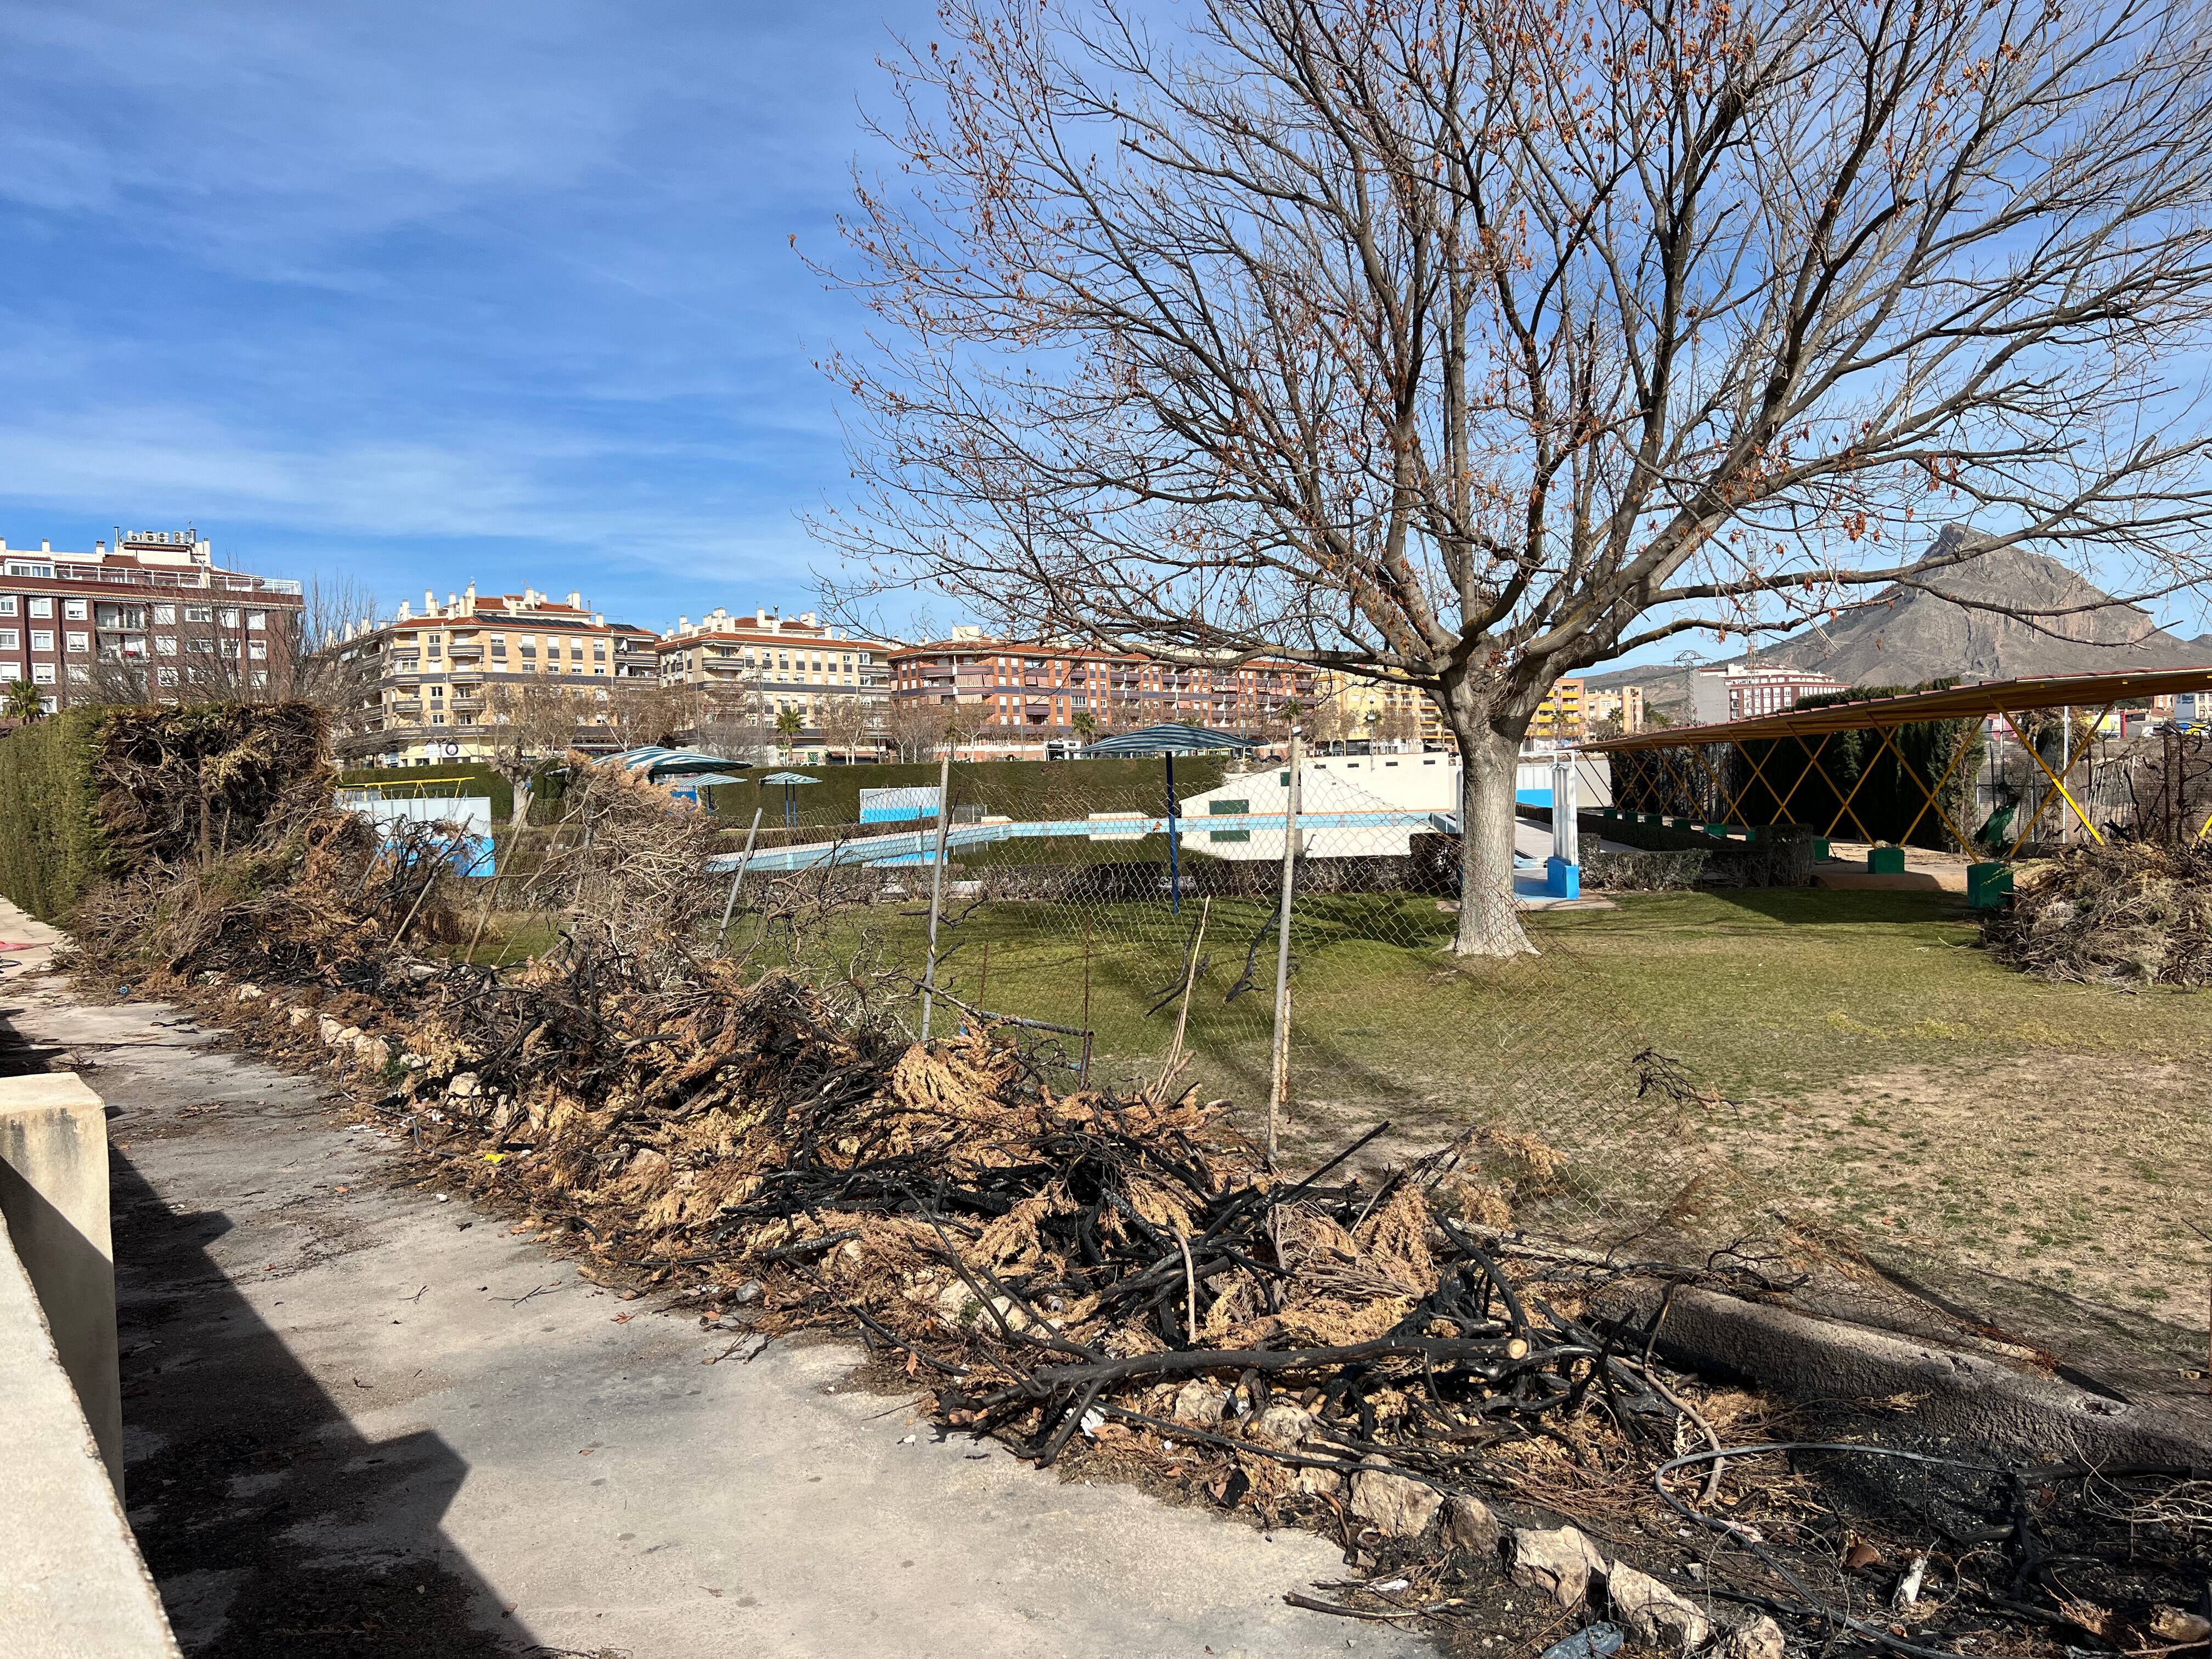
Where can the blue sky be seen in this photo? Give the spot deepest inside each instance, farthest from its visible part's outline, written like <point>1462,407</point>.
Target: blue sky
<point>427,294</point>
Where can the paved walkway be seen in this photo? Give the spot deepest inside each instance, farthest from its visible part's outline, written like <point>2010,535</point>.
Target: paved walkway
<point>362,1421</point>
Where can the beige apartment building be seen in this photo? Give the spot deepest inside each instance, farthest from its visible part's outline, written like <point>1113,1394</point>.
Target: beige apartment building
<point>1349,709</point>
<point>1624,704</point>
<point>429,679</point>
<point>749,670</point>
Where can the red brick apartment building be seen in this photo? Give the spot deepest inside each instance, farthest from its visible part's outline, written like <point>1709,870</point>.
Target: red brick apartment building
<point>1023,699</point>
<point>152,618</point>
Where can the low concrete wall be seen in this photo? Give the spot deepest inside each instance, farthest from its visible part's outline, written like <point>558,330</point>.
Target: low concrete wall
<point>74,1586</point>
<point>53,1197</point>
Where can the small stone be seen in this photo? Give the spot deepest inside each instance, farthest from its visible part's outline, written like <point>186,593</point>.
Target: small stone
<point>1470,1527</point>
<point>1760,1639</point>
<point>251,993</point>
<point>1400,1506</point>
<point>330,1030</point>
<point>1654,1614</point>
<point>300,1016</point>
<point>463,1085</point>
<point>371,1051</point>
<point>1561,1563</point>
<point>1281,1425</point>
<point>1200,1402</point>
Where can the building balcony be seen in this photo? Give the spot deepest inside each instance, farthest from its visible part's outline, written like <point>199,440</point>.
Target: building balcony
<point>198,579</point>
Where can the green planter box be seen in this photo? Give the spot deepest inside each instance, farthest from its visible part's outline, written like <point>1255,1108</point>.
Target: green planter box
<point>1718,831</point>
<point>1988,885</point>
<point>1886,861</point>
<point>1821,847</point>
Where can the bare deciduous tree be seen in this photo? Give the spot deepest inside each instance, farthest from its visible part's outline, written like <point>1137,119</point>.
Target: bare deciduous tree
<point>641,711</point>
<point>1478,341</point>
<point>531,721</point>
<point>850,724</point>
<point>915,730</point>
<point>737,723</point>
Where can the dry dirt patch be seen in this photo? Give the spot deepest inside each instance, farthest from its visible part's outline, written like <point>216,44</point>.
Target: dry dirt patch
<point>2076,1172</point>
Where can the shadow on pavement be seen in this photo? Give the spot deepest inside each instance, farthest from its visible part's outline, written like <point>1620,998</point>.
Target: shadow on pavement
<point>271,1525</point>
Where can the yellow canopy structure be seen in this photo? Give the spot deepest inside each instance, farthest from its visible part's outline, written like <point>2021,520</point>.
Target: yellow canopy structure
<point>1678,759</point>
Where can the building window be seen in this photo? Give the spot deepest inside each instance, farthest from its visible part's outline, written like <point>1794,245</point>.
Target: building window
<point>256,619</point>
<point>258,649</point>
<point>230,619</point>
<point>164,615</point>
<point>78,642</point>
<point>42,673</point>
<point>42,639</point>
<point>164,644</point>
<point>165,676</point>
<point>42,607</point>
<point>77,611</point>
<point>10,639</point>
<point>8,605</point>
<point>199,613</point>
<point>79,674</point>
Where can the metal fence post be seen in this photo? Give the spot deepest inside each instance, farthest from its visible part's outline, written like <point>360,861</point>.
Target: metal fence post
<point>937,885</point>
<point>743,859</point>
<point>1280,1086</point>
<point>1174,860</point>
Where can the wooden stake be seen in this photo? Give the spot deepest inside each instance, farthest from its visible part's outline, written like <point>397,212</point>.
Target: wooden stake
<point>1279,1085</point>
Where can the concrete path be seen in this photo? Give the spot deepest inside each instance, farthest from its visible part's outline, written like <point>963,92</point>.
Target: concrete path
<point>360,1420</point>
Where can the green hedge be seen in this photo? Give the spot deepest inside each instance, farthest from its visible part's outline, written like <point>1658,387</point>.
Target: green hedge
<point>50,845</point>
<point>1027,790</point>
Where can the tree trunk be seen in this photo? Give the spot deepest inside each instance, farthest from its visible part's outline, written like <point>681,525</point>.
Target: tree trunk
<point>1490,748</point>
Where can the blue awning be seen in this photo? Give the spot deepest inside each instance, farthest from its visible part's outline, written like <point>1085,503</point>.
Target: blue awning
<point>655,761</point>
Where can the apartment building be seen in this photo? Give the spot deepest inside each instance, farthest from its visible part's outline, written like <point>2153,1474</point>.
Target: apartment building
<point>1563,716</point>
<point>1624,705</point>
<point>1027,699</point>
<point>1381,714</point>
<point>429,679</point>
<point>153,618</point>
<point>751,669</point>
<point>1744,692</point>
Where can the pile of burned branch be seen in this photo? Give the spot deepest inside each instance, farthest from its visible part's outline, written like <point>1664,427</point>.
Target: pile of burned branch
<point>2127,914</point>
<point>1055,1259</point>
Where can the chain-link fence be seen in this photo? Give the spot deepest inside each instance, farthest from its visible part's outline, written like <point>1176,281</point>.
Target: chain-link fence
<point>1127,927</point>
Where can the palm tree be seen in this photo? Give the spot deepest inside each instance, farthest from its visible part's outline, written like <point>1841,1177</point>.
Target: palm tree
<point>789,723</point>
<point>1086,726</point>
<point>25,701</point>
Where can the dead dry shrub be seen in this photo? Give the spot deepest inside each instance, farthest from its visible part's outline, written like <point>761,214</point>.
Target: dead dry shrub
<point>2128,915</point>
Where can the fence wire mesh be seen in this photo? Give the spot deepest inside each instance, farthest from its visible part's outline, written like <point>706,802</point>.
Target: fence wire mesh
<point>1125,927</point>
